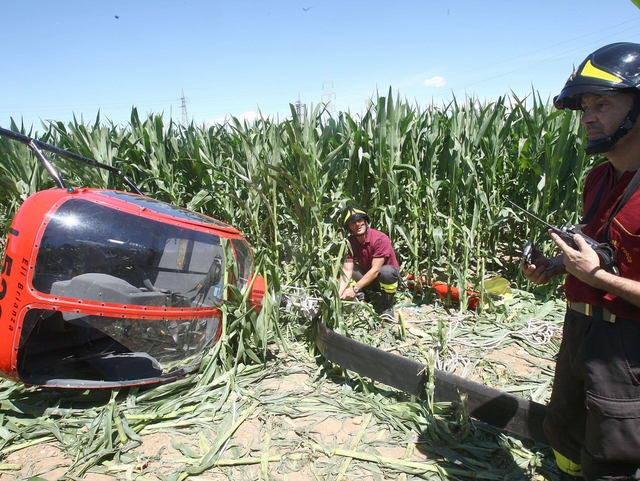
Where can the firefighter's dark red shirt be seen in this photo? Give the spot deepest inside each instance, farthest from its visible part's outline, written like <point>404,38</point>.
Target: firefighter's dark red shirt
<point>376,244</point>
<point>624,237</point>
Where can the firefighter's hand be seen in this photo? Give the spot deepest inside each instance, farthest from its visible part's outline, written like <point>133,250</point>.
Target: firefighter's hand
<point>582,262</point>
<point>539,272</point>
<point>348,294</point>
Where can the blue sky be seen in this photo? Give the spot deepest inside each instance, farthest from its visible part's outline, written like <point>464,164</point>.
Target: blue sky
<point>66,57</point>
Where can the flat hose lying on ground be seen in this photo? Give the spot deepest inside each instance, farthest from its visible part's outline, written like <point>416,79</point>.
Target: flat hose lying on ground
<point>513,414</point>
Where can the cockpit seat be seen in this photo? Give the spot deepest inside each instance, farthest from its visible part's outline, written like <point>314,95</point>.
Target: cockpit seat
<point>105,288</point>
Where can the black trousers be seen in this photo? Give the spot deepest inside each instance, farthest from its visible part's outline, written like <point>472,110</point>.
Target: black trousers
<point>389,276</point>
<point>593,417</point>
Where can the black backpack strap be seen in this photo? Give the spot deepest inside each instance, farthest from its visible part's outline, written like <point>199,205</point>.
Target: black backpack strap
<point>594,205</point>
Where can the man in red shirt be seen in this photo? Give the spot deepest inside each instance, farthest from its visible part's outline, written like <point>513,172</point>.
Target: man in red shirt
<point>371,265</point>
<point>593,416</point>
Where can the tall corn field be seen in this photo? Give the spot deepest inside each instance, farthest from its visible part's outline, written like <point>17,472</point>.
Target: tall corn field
<point>436,179</point>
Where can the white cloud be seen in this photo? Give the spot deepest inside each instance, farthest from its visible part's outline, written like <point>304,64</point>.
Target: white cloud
<point>249,116</point>
<point>436,81</point>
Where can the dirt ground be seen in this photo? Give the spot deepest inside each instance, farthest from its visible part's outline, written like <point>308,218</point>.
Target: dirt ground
<point>157,455</point>
<point>323,433</point>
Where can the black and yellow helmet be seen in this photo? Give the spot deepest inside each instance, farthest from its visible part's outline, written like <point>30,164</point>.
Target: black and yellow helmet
<point>608,70</point>
<point>352,213</point>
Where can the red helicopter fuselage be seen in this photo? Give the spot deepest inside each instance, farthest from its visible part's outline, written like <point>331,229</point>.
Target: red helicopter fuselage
<point>102,288</point>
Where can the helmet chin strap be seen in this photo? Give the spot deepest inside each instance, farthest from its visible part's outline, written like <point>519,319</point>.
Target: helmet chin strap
<point>601,146</point>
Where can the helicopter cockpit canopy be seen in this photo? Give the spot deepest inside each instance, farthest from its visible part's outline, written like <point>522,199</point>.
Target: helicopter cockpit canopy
<point>114,288</point>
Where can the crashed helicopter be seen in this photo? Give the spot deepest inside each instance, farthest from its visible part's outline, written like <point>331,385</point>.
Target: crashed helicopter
<point>103,288</point>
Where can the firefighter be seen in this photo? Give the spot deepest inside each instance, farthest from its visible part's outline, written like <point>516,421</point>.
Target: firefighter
<point>593,416</point>
<point>371,264</point>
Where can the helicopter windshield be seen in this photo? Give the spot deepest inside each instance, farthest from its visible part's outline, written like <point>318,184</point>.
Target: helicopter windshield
<point>94,252</point>
<point>100,351</point>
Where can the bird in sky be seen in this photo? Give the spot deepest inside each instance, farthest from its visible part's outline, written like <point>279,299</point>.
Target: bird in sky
<point>116,16</point>
<point>306,9</point>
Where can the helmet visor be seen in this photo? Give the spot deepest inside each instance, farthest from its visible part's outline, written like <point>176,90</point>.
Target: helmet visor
<point>571,96</point>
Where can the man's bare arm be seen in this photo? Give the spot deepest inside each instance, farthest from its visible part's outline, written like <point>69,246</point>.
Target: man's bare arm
<point>371,274</point>
<point>345,277</point>
<point>584,263</point>
<point>368,278</point>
